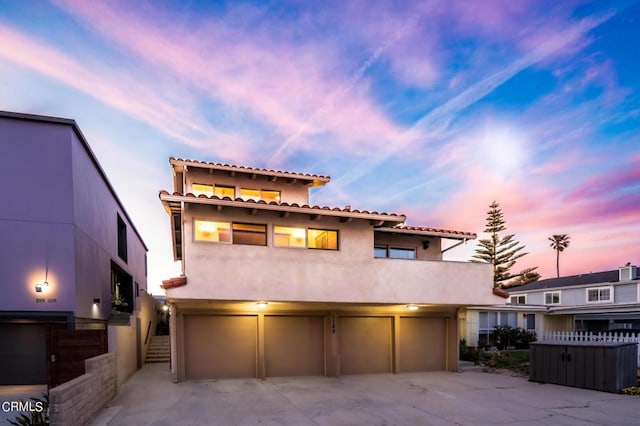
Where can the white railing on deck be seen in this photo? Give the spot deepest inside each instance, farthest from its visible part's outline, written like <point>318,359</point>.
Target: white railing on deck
<point>587,336</point>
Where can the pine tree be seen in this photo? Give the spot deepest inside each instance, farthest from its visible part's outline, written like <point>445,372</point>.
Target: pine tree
<point>502,252</point>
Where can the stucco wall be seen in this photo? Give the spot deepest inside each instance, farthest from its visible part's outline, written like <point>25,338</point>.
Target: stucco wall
<point>95,215</point>
<point>351,274</point>
<point>36,220</point>
<point>122,342</point>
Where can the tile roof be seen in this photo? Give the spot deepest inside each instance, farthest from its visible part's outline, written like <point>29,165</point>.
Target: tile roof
<point>321,179</point>
<point>174,282</point>
<point>423,230</point>
<point>500,292</point>
<point>283,205</point>
<point>592,278</point>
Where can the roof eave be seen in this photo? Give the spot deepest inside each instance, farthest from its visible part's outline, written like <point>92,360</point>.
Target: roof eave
<point>381,219</point>
<point>450,235</point>
<point>308,179</point>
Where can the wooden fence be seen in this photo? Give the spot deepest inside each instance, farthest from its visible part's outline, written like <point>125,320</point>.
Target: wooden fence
<point>586,336</point>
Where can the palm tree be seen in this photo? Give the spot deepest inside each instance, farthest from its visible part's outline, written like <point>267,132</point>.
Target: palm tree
<point>559,242</point>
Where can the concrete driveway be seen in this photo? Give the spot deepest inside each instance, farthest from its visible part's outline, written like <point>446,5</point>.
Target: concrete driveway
<point>470,398</point>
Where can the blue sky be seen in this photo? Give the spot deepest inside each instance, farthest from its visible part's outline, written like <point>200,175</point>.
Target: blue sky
<point>433,109</point>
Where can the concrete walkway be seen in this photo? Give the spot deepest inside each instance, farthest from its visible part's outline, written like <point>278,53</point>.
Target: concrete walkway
<point>438,398</point>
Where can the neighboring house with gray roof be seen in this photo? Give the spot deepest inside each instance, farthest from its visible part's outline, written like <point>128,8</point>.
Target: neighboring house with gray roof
<point>594,302</point>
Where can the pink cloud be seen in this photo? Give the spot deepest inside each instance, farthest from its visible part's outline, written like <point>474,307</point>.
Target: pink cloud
<point>118,90</point>
<point>277,80</point>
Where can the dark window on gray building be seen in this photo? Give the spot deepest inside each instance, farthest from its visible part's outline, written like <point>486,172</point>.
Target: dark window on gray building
<point>122,239</point>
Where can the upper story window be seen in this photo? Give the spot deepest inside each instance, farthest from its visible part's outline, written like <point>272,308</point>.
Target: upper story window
<point>600,294</point>
<point>218,232</point>
<point>394,252</point>
<point>323,239</point>
<point>122,239</point>
<point>260,194</point>
<point>289,237</point>
<point>201,189</point>
<point>552,298</point>
<point>227,232</point>
<point>224,191</point>
<point>209,190</point>
<point>249,233</point>
<point>520,299</point>
<point>284,236</point>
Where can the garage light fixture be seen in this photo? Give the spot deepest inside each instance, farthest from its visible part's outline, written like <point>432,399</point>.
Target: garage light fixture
<point>262,305</point>
<point>412,307</point>
<point>96,301</point>
<point>41,287</point>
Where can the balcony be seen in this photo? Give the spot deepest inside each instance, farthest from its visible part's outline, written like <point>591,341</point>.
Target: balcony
<point>294,275</point>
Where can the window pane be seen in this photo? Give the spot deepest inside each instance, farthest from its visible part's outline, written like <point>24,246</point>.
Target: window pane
<point>269,196</point>
<point>493,320</point>
<point>224,191</point>
<point>483,321</point>
<point>198,189</point>
<point>605,294</point>
<point>379,252</point>
<point>531,321</point>
<point>250,194</point>
<point>251,234</point>
<point>323,239</point>
<point>289,237</point>
<point>592,295</point>
<point>552,298</point>
<point>212,231</point>
<point>402,253</point>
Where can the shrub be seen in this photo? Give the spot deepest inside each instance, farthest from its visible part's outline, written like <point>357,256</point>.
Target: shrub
<point>505,336</point>
<point>467,354</point>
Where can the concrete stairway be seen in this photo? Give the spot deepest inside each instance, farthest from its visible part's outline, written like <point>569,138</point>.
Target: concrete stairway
<point>159,349</point>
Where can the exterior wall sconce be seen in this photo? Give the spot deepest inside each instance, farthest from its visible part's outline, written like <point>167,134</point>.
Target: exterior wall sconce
<point>262,305</point>
<point>412,307</point>
<point>41,287</point>
<point>96,301</point>
<point>165,307</point>
<point>425,244</point>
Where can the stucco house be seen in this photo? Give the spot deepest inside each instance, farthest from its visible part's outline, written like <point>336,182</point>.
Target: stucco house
<point>69,246</point>
<point>272,285</point>
<point>607,301</point>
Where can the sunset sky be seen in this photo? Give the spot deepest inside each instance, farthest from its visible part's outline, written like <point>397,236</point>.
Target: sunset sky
<point>432,109</point>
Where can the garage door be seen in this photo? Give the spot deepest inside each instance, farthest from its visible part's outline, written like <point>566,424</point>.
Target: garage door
<point>220,346</point>
<point>23,354</point>
<point>294,346</point>
<point>365,345</point>
<point>422,344</point>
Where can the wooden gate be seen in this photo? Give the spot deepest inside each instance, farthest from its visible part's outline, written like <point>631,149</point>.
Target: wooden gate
<point>68,349</point>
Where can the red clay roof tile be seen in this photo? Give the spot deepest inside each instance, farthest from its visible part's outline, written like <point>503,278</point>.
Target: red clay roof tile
<point>174,282</point>
<point>251,169</point>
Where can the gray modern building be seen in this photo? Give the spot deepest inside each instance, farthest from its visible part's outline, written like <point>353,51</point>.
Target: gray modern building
<point>70,252</point>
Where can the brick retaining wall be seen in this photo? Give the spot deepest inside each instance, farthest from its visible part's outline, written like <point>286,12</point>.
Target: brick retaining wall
<point>77,401</point>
